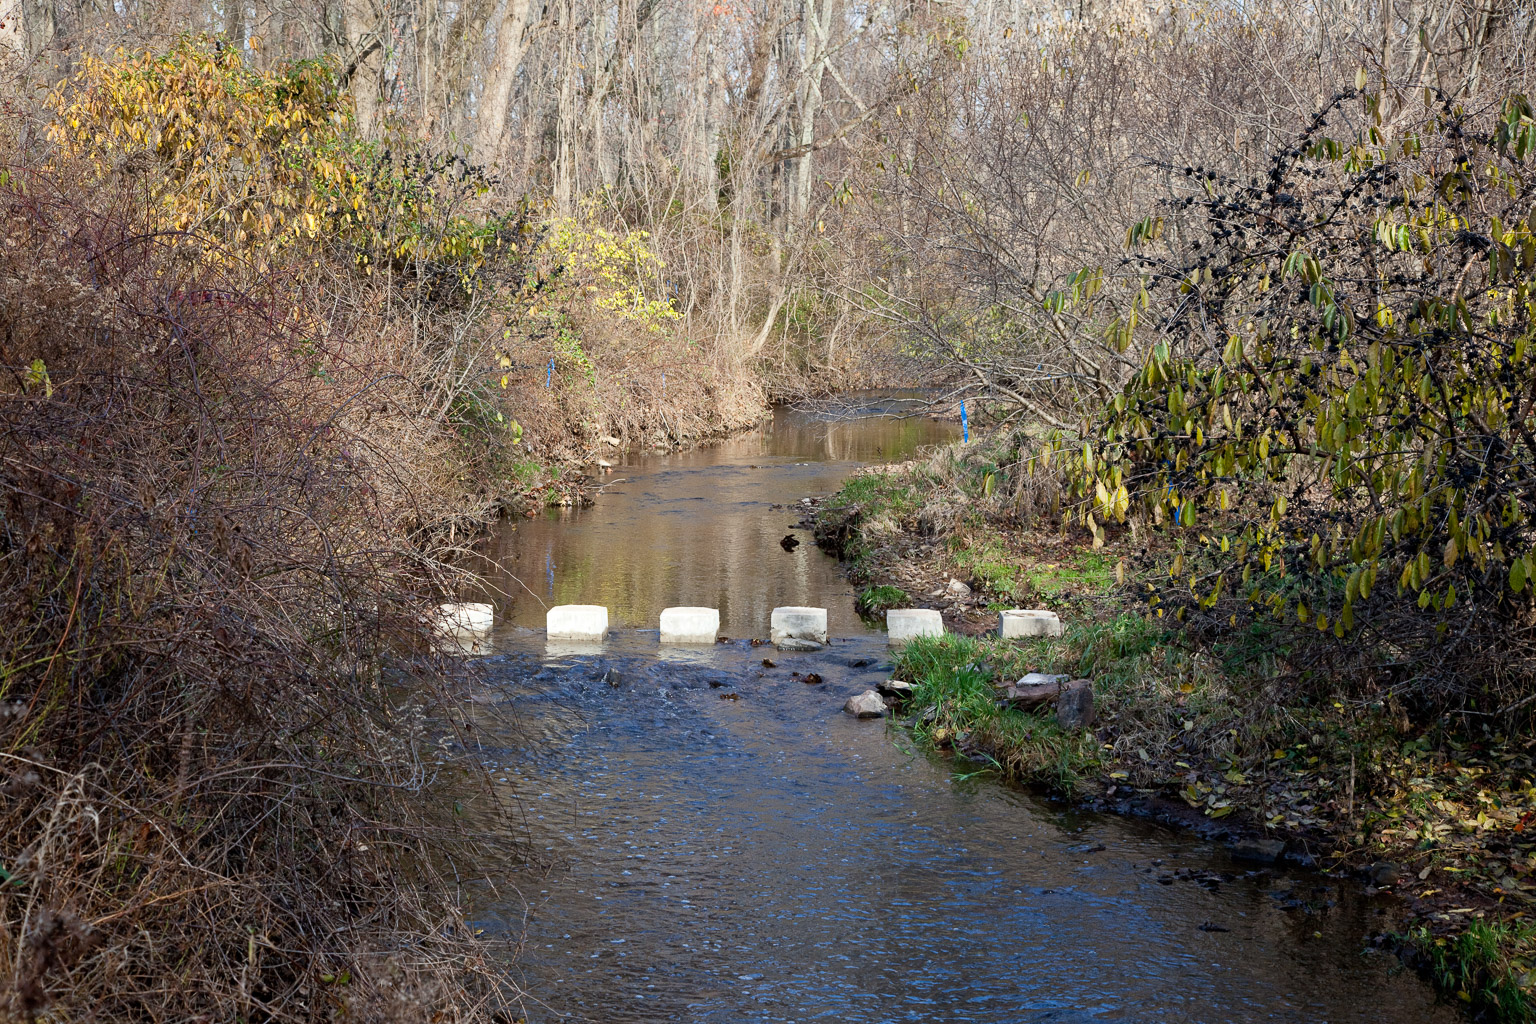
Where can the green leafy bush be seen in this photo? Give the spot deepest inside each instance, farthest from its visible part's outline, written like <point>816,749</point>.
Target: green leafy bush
<point>1336,417</point>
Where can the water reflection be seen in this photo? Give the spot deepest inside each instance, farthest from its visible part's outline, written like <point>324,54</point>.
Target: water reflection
<point>698,528</point>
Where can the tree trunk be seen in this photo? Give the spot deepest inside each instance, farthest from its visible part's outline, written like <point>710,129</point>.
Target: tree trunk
<point>816,27</point>
<point>13,34</point>
<point>364,30</point>
<point>511,45</point>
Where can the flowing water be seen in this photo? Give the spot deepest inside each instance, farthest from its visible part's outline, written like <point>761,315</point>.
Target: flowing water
<point>726,845</point>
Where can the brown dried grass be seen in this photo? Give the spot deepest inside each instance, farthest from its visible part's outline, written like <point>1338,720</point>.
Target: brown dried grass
<point>221,801</point>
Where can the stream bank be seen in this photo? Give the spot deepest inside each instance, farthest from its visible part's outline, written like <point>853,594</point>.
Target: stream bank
<point>1196,726</point>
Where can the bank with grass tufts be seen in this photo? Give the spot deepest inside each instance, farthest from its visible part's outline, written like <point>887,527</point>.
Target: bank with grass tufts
<point>1230,730</point>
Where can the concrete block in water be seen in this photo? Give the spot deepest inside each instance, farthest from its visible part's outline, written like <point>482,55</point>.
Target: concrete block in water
<point>795,623</point>
<point>690,625</point>
<point>576,622</point>
<point>462,628</point>
<point>1026,622</point>
<point>467,617</point>
<point>902,624</point>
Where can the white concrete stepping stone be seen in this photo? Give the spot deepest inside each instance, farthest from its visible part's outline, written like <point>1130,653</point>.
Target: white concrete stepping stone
<point>576,622</point>
<point>463,628</point>
<point>796,623</point>
<point>690,625</point>
<point>1017,623</point>
<point>465,617</point>
<point>902,624</point>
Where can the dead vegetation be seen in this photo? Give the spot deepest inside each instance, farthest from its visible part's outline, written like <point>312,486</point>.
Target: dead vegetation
<point>225,795</point>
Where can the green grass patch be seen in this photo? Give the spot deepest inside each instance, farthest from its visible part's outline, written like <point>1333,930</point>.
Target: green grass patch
<point>989,563</point>
<point>875,601</point>
<point>890,498</point>
<point>954,696</point>
<point>1487,966</point>
<point>1002,571</point>
<point>1085,571</point>
<point>879,494</point>
<point>1111,652</point>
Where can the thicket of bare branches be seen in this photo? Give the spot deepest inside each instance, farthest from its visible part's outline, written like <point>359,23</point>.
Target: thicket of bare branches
<point>221,801</point>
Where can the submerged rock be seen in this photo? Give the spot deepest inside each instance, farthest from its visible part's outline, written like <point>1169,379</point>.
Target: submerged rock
<point>1383,873</point>
<point>794,643</point>
<point>865,705</point>
<point>1263,851</point>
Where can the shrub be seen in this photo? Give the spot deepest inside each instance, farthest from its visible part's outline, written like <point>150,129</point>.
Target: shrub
<point>220,787</point>
<point>1334,421</point>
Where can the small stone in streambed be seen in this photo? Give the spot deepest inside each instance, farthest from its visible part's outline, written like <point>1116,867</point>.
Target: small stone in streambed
<point>1383,873</point>
<point>613,677</point>
<point>794,643</point>
<point>896,689</point>
<point>812,678</point>
<point>730,696</point>
<point>768,663</point>
<point>1209,927</point>
<point>861,662</point>
<point>790,542</point>
<point>1261,851</point>
<point>865,705</point>
<point>715,684</point>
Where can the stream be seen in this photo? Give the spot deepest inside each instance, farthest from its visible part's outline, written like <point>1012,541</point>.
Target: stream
<point>726,845</point>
